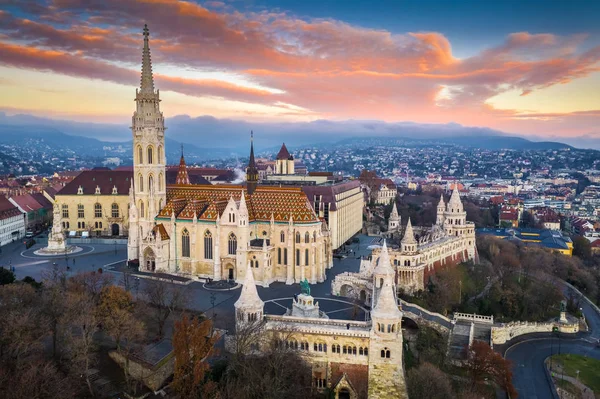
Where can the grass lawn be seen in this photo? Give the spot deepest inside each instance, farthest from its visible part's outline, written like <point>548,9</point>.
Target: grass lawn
<point>589,369</point>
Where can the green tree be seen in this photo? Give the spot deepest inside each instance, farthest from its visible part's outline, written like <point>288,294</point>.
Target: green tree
<point>582,248</point>
<point>6,276</point>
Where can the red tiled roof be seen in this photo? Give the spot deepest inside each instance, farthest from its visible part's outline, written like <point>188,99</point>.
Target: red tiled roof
<point>27,202</point>
<point>160,229</point>
<point>105,179</point>
<point>7,209</point>
<point>209,201</point>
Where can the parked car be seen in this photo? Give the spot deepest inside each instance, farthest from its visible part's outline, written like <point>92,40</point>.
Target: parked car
<point>29,234</point>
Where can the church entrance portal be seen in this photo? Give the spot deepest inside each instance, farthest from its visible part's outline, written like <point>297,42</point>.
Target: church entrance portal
<point>150,259</point>
<point>230,275</point>
<point>115,229</point>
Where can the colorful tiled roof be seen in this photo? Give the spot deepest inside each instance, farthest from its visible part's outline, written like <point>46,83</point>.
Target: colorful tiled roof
<point>209,201</point>
<point>283,153</point>
<point>160,229</point>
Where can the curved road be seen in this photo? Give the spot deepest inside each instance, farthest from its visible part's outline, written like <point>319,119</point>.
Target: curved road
<point>529,374</point>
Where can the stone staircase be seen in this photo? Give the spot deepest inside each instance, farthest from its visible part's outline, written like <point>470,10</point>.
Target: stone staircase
<point>460,338</point>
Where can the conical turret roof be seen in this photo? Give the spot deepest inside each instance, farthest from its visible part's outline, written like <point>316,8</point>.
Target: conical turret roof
<point>283,153</point>
<point>441,204</point>
<point>394,214</point>
<point>182,174</point>
<point>249,297</point>
<point>384,266</point>
<point>455,202</point>
<point>409,235</point>
<point>387,305</point>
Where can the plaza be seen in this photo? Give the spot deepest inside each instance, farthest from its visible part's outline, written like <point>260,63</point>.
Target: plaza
<point>110,255</point>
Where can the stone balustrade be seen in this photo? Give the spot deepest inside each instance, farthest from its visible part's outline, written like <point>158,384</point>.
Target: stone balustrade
<point>474,318</point>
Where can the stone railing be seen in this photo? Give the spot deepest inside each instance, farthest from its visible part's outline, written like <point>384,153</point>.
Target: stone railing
<point>476,318</point>
<point>506,332</point>
<point>430,313</point>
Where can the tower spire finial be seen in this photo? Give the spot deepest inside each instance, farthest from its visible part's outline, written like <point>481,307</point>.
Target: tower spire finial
<point>147,80</point>
<point>252,170</point>
<point>181,150</point>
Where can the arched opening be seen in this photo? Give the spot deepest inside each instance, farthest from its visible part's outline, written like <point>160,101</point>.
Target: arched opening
<point>114,229</point>
<point>150,183</point>
<point>150,155</point>
<point>230,272</point>
<point>159,158</point>
<point>140,158</point>
<point>232,244</point>
<point>150,259</point>
<point>363,296</point>
<point>185,244</point>
<point>208,245</point>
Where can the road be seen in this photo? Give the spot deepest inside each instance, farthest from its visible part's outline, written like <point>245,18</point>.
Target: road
<point>529,374</point>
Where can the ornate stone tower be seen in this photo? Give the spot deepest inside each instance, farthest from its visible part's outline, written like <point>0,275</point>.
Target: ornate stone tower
<point>284,162</point>
<point>148,128</point>
<point>386,372</point>
<point>441,208</point>
<point>249,306</point>
<point>252,170</point>
<point>394,220</point>
<point>455,217</point>
<point>409,243</point>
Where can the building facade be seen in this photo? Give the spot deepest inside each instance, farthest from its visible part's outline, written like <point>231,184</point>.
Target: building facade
<point>12,222</point>
<point>213,231</point>
<point>96,202</point>
<point>451,240</point>
<point>354,359</point>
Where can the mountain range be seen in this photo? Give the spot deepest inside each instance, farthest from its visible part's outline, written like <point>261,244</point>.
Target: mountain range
<point>207,137</point>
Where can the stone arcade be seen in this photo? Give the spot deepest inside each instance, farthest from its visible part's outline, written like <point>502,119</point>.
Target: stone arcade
<point>449,241</point>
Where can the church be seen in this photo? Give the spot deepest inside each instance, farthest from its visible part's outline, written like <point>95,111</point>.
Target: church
<point>214,231</point>
<point>449,241</point>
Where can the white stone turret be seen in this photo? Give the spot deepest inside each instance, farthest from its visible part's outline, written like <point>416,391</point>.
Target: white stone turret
<point>455,217</point>
<point>409,243</point>
<point>455,204</point>
<point>441,208</point>
<point>249,307</point>
<point>383,271</point>
<point>394,220</point>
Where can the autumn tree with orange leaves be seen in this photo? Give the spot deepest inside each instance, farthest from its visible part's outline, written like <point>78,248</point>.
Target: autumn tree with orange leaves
<point>193,342</point>
<point>483,363</point>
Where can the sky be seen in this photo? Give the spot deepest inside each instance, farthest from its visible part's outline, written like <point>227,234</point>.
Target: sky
<point>525,67</point>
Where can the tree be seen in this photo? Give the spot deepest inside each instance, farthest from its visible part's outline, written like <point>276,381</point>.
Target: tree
<point>428,382</point>
<point>193,341</point>
<point>164,299</point>
<point>116,314</point>
<point>54,304</point>
<point>582,248</point>
<point>6,276</point>
<point>482,363</point>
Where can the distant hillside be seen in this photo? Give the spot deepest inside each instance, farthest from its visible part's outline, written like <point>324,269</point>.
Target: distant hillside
<point>489,142</point>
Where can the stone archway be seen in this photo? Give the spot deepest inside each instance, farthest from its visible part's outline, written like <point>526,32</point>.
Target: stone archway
<point>346,290</point>
<point>229,272</point>
<point>150,259</point>
<point>363,296</point>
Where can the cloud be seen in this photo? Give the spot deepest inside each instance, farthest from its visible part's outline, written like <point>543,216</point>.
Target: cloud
<point>321,67</point>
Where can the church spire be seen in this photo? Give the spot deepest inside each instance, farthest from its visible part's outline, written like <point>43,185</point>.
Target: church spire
<point>147,81</point>
<point>182,174</point>
<point>384,266</point>
<point>252,170</point>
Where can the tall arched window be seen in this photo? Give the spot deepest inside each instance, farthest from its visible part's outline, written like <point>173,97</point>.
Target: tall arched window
<point>142,213</point>
<point>150,183</point>
<point>160,182</point>
<point>185,244</point>
<point>232,244</point>
<point>306,257</point>
<point>285,256</point>
<point>140,155</point>
<point>97,210</point>
<point>114,210</point>
<point>279,256</point>
<point>150,155</point>
<point>282,237</point>
<point>140,182</point>
<point>306,237</point>
<point>159,158</point>
<point>297,257</point>
<point>314,236</point>
<point>297,238</point>
<point>208,251</point>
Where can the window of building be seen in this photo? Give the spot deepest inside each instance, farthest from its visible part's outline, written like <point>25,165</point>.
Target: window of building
<point>114,210</point>
<point>282,236</point>
<point>150,155</point>
<point>385,353</point>
<point>326,212</point>
<point>306,257</point>
<point>279,256</point>
<point>232,244</point>
<point>159,158</point>
<point>97,210</point>
<point>160,182</point>
<point>208,245</point>
<point>140,155</point>
<point>142,214</point>
<point>185,244</point>
<point>150,183</point>
<point>140,183</point>
<point>285,256</point>
<point>297,238</point>
<point>65,210</point>
<point>297,257</point>
<point>306,238</point>
<point>314,236</point>
<point>80,211</point>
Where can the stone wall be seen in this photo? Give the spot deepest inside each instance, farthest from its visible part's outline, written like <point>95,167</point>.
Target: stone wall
<point>506,332</point>
<point>153,377</point>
